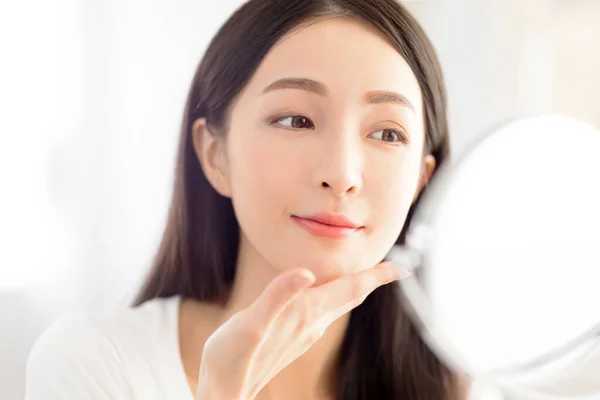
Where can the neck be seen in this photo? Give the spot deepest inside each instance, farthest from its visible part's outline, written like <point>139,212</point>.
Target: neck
<point>312,375</point>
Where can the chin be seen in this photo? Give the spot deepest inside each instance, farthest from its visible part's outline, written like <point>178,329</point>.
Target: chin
<point>326,263</point>
<point>327,272</point>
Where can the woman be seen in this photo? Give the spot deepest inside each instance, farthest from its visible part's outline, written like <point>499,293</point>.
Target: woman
<point>310,129</point>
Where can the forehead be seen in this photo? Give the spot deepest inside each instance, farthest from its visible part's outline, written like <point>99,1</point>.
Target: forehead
<point>349,56</point>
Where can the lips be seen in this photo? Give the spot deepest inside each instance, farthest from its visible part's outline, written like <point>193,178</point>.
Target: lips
<point>334,220</point>
<point>328,225</point>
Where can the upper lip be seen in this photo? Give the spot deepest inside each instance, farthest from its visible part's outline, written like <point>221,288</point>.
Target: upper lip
<point>333,220</point>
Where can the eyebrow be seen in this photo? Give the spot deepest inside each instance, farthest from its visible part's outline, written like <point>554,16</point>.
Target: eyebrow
<point>385,97</point>
<point>309,85</point>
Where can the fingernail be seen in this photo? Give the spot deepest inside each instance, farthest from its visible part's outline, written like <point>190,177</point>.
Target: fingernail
<point>402,273</point>
<point>305,279</point>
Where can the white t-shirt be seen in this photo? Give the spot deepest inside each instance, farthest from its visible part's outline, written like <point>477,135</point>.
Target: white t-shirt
<point>125,354</point>
<point>133,354</point>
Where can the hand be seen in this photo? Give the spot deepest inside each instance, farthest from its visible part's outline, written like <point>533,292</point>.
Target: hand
<point>255,344</point>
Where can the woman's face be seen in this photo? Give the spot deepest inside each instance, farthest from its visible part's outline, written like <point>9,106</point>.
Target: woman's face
<point>330,127</point>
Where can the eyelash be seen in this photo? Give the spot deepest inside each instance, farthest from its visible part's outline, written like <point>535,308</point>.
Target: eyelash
<point>401,135</point>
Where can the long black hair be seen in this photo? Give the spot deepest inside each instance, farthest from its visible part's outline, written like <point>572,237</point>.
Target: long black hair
<point>382,355</point>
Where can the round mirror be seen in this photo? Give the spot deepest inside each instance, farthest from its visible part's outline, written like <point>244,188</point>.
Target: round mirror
<point>506,247</point>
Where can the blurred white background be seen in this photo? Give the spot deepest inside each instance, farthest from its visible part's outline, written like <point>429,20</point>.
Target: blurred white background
<point>92,93</point>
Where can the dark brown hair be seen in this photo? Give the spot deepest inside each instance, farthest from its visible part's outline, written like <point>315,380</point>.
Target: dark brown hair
<point>382,356</point>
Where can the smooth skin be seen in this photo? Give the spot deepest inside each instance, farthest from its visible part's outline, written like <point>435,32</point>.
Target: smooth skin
<point>332,121</point>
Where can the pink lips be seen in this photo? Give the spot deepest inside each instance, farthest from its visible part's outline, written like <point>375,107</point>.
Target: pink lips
<point>327,225</point>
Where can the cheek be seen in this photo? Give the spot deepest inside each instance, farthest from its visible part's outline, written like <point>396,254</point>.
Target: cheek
<point>396,187</point>
<point>258,170</point>
<point>262,183</point>
<point>390,190</point>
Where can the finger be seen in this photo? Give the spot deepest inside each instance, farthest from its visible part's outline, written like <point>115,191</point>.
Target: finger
<point>280,292</point>
<point>353,289</point>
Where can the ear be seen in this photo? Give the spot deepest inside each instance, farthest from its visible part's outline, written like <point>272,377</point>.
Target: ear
<point>212,153</point>
<point>427,168</point>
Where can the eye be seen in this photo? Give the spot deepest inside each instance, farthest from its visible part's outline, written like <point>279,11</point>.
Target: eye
<point>390,136</point>
<point>295,122</point>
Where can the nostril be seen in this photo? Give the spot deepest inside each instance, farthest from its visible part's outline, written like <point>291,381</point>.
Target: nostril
<point>324,184</point>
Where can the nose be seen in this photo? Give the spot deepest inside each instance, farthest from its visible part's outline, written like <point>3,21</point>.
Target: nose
<point>340,165</point>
